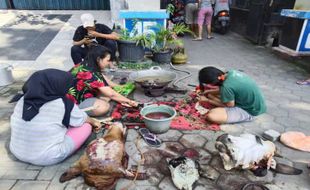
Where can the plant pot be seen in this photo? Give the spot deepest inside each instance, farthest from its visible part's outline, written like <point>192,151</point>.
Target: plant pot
<point>179,56</point>
<point>130,52</point>
<point>162,57</point>
<point>158,126</point>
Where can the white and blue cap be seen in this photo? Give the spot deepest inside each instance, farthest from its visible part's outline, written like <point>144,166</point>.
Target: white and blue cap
<point>87,20</point>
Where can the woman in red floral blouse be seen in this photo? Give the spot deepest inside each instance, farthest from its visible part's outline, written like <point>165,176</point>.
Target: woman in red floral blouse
<point>91,88</point>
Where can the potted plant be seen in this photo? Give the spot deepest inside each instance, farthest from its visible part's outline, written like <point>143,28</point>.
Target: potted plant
<point>131,46</point>
<point>164,40</point>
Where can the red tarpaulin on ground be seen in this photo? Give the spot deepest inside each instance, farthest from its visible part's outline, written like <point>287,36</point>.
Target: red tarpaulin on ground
<point>188,118</point>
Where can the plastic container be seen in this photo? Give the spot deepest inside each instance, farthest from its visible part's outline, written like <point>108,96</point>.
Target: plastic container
<point>158,126</point>
<point>6,76</point>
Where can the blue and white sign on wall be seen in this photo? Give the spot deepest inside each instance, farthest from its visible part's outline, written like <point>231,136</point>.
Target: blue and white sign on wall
<point>304,41</point>
<point>303,46</point>
<point>143,21</point>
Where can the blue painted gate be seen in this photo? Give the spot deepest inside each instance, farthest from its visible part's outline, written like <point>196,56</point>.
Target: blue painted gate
<point>3,5</point>
<point>62,4</point>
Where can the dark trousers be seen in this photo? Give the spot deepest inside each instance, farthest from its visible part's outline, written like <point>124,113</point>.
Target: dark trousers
<point>78,53</point>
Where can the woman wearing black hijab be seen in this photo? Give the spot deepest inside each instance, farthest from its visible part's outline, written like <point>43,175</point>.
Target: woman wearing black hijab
<point>91,88</point>
<point>46,126</point>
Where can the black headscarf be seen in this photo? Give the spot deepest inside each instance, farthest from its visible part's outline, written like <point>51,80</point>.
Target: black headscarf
<point>44,86</point>
<point>95,53</point>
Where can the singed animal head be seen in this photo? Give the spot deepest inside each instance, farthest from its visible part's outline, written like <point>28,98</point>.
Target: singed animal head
<point>116,131</point>
<point>246,151</point>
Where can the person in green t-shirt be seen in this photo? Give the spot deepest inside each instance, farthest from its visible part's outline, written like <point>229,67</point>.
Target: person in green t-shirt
<point>236,96</point>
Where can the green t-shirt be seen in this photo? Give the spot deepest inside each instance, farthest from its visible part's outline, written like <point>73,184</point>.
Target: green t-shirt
<point>244,91</point>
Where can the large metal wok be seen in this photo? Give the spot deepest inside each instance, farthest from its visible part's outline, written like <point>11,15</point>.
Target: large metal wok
<point>155,77</point>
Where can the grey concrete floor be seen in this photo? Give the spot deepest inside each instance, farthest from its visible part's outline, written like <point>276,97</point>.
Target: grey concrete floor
<point>288,107</point>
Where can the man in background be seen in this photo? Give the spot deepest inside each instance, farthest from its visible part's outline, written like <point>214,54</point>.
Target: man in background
<point>91,33</point>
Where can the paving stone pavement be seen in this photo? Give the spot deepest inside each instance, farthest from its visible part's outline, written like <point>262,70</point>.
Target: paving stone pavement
<point>288,109</point>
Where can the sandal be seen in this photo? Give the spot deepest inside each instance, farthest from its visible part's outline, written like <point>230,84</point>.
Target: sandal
<point>197,39</point>
<point>210,37</point>
<point>150,138</point>
<point>303,82</point>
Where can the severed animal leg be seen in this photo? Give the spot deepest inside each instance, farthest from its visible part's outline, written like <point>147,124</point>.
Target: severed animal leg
<point>71,173</point>
<point>288,170</point>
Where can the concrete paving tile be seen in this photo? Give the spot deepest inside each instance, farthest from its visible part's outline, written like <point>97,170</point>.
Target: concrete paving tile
<point>299,182</point>
<point>192,140</point>
<point>232,129</point>
<point>132,135</point>
<point>3,171</point>
<point>33,167</point>
<point>204,156</point>
<point>171,135</point>
<point>122,183</point>
<point>287,121</point>
<point>6,184</point>
<point>20,174</point>
<point>275,111</point>
<point>48,172</point>
<point>55,184</point>
<point>209,172</point>
<point>130,148</point>
<point>13,164</point>
<point>231,182</point>
<point>302,117</point>
<point>77,183</point>
<point>35,185</point>
<point>167,183</point>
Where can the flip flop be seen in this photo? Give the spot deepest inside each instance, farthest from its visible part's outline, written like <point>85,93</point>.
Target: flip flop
<point>197,39</point>
<point>209,38</point>
<point>303,82</point>
<point>150,138</point>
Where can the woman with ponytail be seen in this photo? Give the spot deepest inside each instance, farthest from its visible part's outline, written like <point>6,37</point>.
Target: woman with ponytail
<point>235,95</point>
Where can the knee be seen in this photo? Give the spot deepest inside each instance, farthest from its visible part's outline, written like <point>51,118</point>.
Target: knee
<point>102,107</point>
<point>111,44</point>
<point>216,116</point>
<point>211,116</point>
<point>75,49</point>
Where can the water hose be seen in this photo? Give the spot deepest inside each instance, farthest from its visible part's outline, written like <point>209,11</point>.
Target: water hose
<point>182,78</point>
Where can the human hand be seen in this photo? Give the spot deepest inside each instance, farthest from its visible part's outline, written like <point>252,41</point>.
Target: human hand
<point>96,125</point>
<point>131,103</point>
<point>87,41</point>
<point>202,98</point>
<point>93,33</point>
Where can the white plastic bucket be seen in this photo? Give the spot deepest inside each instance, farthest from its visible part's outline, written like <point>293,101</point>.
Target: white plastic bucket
<point>6,76</point>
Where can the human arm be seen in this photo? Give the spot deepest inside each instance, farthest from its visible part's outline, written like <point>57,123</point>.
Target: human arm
<point>94,122</point>
<point>111,36</point>
<point>216,101</point>
<point>110,82</point>
<point>85,41</point>
<point>110,93</point>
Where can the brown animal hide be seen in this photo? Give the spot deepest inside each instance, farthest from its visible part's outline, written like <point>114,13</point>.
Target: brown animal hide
<point>104,161</point>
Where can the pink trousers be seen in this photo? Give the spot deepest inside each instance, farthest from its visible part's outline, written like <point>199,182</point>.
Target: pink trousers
<point>79,134</point>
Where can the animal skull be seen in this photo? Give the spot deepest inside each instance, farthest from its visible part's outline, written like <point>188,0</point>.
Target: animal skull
<point>184,172</point>
<point>247,151</point>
